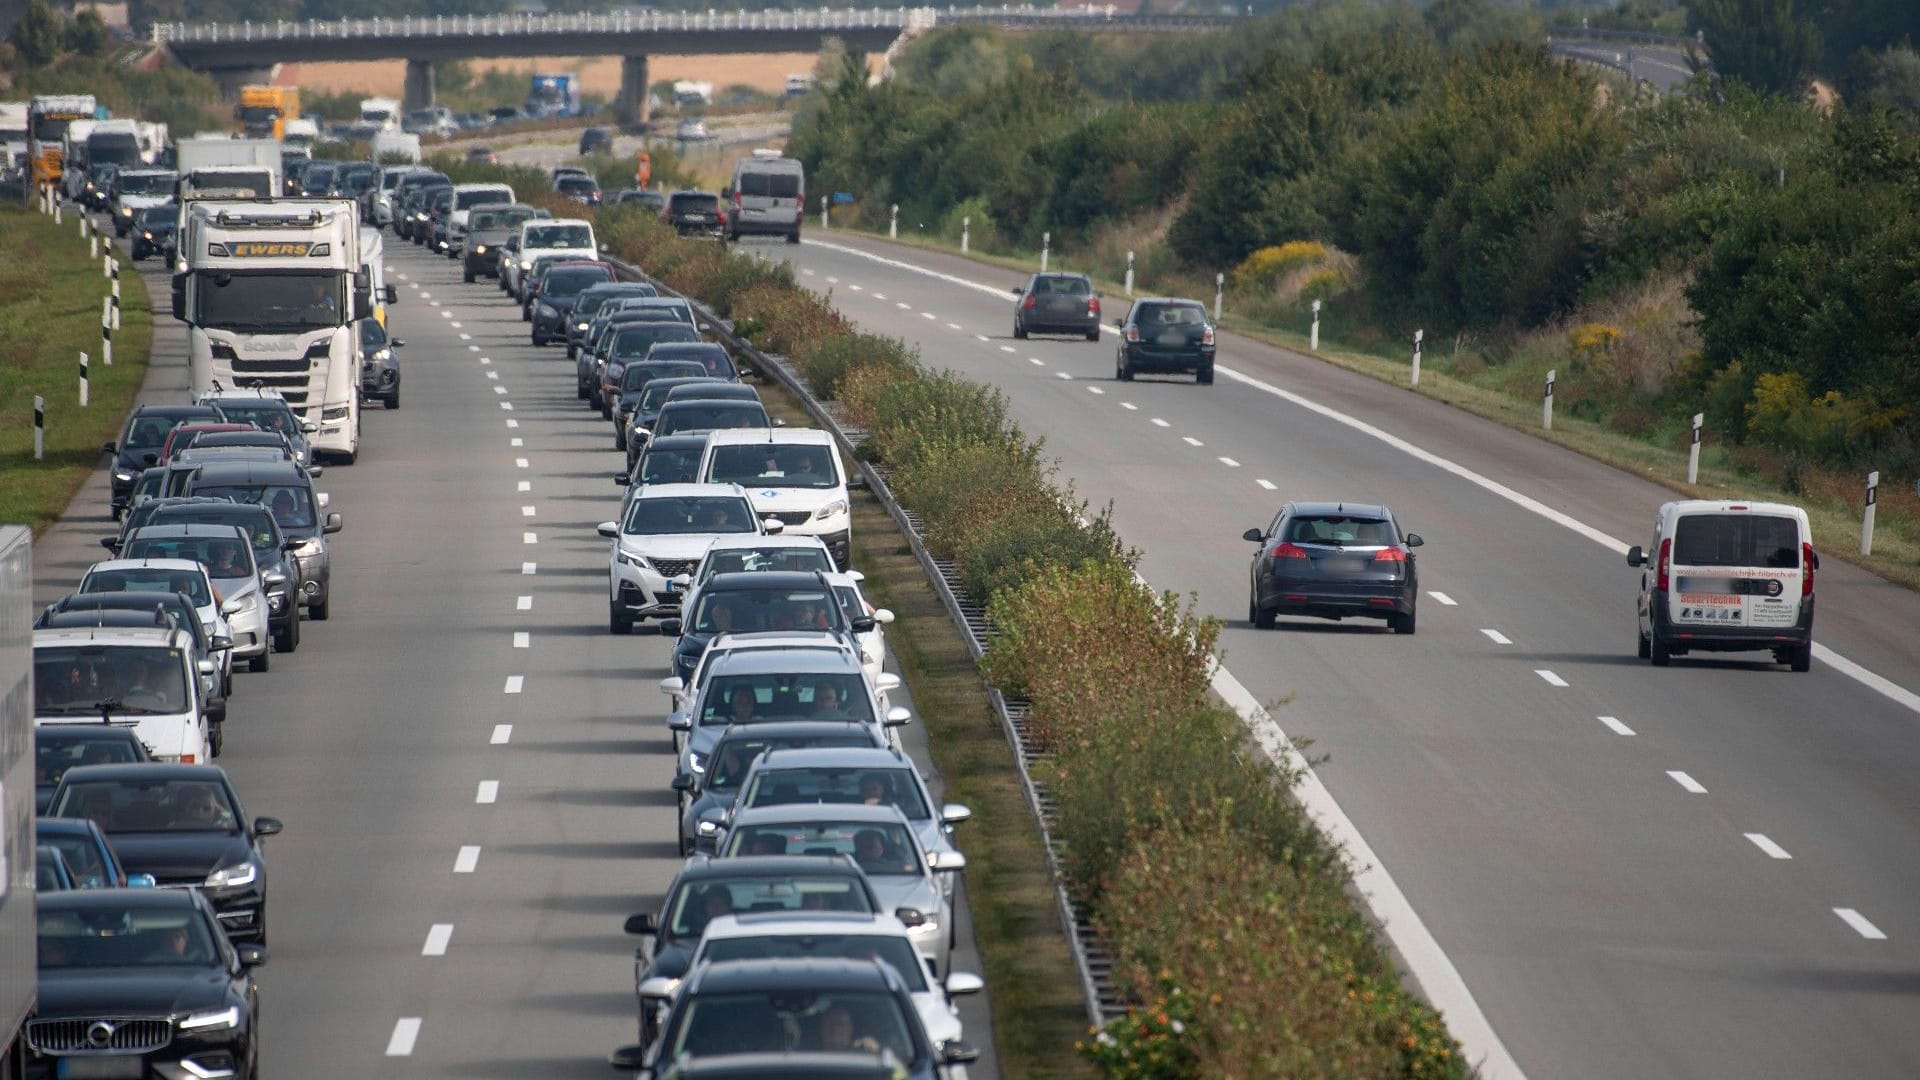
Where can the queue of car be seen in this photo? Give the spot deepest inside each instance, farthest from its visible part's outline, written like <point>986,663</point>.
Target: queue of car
<point>813,922</point>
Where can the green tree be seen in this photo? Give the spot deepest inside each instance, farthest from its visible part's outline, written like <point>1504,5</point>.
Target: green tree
<point>88,33</point>
<point>1771,45</point>
<point>39,35</point>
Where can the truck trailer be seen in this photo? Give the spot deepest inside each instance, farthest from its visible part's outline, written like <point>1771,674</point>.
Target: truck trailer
<point>19,974</point>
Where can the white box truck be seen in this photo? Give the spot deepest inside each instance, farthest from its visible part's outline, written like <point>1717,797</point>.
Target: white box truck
<point>18,925</point>
<point>227,165</point>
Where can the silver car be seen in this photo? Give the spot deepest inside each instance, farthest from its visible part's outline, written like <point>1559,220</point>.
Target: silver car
<point>227,553</point>
<point>772,686</point>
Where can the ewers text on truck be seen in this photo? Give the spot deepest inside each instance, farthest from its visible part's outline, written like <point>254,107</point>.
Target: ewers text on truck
<point>270,291</point>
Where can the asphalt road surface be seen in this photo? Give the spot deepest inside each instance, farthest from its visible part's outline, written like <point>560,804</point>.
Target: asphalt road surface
<point>1699,871</point>
<point>1666,68</point>
<point>473,773</point>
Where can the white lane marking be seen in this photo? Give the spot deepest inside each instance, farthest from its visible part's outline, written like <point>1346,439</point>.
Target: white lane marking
<point>953,326</point>
<point>928,315</point>
<point>437,938</point>
<point>522,639</point>
<point>1034,360</point>
<point>519,462</point>
<point>514,684</point>
<point>983,337</point>
<point>1157,422</point>
<point>1061,375</point>
<point>523,603</point>
<point>1095,390</point>
<point>403,277</point>
<point>1191,441</point>
<point>1613,723</point>
<point>444,313</point>
<point>486,359</point>
<point>528,568</point>
<point>1860,924</point>
<point>501,734</point>
<point>1129,406</point>
<point>1267,484</point>
<point>529,538</point>
<point>424,295</point>
<point>1442,599</point>
<point>832,280</point>
<point>1687,783</point>
<point>494,375</point>
<point>1006,348</point>
<point>855,288</point>
<point>473,348</point>
<point>433,303</point>
<point>507,406</point>
<point>456,325</point>
<point>498,389</point>
<point>1550,678</point>
<point>901,304</point>
<point>526,511</point>
<point>1496,636</point>
<point>526,485</point>
<point>406,1031</point>
<point>512,423</point>
<point>809,273</point>
<point>468,858</point>
<point>1229,462</point>
<point>1773,850</point>
<point>464,336</point>
<point>487,793</point>
<point>516,440</point>
<point>879,296</point>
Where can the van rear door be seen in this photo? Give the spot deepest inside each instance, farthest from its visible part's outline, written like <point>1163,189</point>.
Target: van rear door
<point>769,195</point>
<point>1735,569</point>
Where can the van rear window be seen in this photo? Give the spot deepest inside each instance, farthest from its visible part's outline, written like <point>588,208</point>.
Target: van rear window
<point>773,185</point>
<point>1737,540</point>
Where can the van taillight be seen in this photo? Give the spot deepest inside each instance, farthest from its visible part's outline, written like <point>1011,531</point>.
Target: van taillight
<point>1660,567</point>
<point>1806,569</point>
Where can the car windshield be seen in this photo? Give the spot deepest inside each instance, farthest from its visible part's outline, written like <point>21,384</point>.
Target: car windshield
<point>655,394</point>
<point>669,466</point>
<point>227,558</point>
<point>741,746</point>
<point>482,220</point>
<point>468,199</point>
<point>1151,316</point>
<point>191,583</point>
<point>882,848</point>
<point>146,183</point>
<point>149,431</point>
<point>639,376</point>
<point>690,514</point>
<point>681,416</point>
<point>568,281</point>
<point>52,757</point>
<point>571,184</point>
<point>124,937</point>
<point>83,857</point>
<point>158,804</point>
<point>750,560</point>
<point>559,236</point>
<point>135,680</point>
<point>1340,530</point>
<point>255,521</point>
<point>894,949</point>
<point>872,787</point>
<point>791,1020</point>
<point>292,505</point>
<point>1737,540</point>
<point>741,611</point>
<point>634,340</point>
<point>710,356</point>
<point>266,414</point>
<point>759,699</point>
<point>773,465</point>
<point>690,909</point>
<point>372,334</point>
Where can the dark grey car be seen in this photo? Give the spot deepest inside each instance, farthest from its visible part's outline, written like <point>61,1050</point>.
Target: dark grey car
<point>286,490</point>
<point>1057,304</point>
<point>379,366</point>
<point>1165,335</point>
<point>487,233</point>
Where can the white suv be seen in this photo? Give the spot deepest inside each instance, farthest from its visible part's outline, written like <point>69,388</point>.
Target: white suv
<point>792,474</point>
<point>140,677</point>
<point>666,529</point>
<point>546,236</point>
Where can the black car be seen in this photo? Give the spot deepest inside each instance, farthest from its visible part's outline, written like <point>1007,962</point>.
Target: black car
<point>79,608</point>
<point>285,489</point>
<point>647,202</point>
<point>557,291</point>
<point>749,602</point>
<point>379,367</point>
<point>707,888</point>
<point>1334,561</point>
<point>581,189</point>
<point>184,825</point>
<point>673,459</point>
<point>589,303</point>
<point>635,378</point>
<point>596,140</point>
<point>59,747</point>
<point>800,1008</point>
<point>140,442</point>
<point>1057,304</point>
<point>629,343</point>
<point>272,550</point>
<point>153,231</point>
<point>646,415</point>
<point>89,856</point>
<point>591,363</point>
<point>1162,335</point>
<point>711,354</point>
<point>317,181</point>
<point>695,213</point>
<point>678,417</point>
<point>816,1065</point>
<point>140,982</point>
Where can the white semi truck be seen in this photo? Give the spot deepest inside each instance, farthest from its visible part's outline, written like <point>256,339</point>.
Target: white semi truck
<point>227,165</point>
<point>270,291</point>
<point>18,975</point>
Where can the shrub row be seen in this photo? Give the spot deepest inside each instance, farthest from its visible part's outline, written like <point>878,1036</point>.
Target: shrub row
<point>1224,907</point>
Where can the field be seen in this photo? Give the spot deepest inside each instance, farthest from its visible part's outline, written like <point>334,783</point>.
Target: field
<point>599,75</point>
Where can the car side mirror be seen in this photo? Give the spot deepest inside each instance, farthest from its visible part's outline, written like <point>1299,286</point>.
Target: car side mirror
<point>883,616</point>
<point>899,716</point>
<point>964,982</point>
<point>607,529</point>
<point>886,681</point>
<point>205,667</point>
<point>855,575</point>
<point>272,578</point>
<point>291,543</point>
<point>946,862</point>
<point>266,826</point>
<point>109,448</point>
<point>857,481</point>
<point>111,543</point>
<point>685,782</point>
<point>396,343</point>
<point>1254,536</point>
<point>631,1059</point>
<point>250,955</point>
<point>679,721</point>
<point>1816,560</point>
<point>218,642</point>
<point>1018,290</point>
<point>314,471</point>
<point>955,1052</point>
<point>622,479</point>
<point>1636,556</point>
<point>142,881</point>
<point>335,523</point>
<point>391,295</point>
<point>642,924</point>
<point>670,627</point>
<point>1413,540</point>
<point>954,813</point>
<point>150,459</point>
<point>774,526</point>
<point>309,426</point>
<point>672,684</point>
<point>180,296</point>
<point>863,625</point>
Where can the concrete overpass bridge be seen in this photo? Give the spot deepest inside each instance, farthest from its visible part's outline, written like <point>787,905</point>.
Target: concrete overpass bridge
<point>244,52</point>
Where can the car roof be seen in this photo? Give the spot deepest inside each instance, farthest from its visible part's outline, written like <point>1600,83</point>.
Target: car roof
<point>1357,509</point>
<point>489,185</point>
<point>677,442</point>
<point>790,436</point>
<point>781,1065</point>
<point>798,729</point>
<point>1168,300</point>
<point>127,598</point>
<point>1730,506</point>
<point>812,973</point>
<point>66,826</point>
<point>147,564</point>
<point>185,528</point>
<point>769,580</point>
<point>712,389</point>
<point>835,757</point>
<point>110,635</point>
<point>859,813</point>
<point>177,411</point>
<point>779,639</point>
<point>252,470</point>
<point>52,733</point>
<point>150,770</point>
<point>563,221</point>
<point>249,393</point>
<point>681,491</point>
<point>701,867</point>
<point>787,924</point>
<point>119,617</point>
<point>776,662</point>
<point>690,404</point>
<point>116,900</point>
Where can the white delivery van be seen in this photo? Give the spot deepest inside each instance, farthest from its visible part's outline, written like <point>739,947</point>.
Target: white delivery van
<point>792,474</point>
<point>766,197</point>
<point>1727,577</point>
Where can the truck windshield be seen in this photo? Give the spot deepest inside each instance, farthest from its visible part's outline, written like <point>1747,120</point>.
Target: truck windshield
<point>271,301</point>
<point>113,150</point>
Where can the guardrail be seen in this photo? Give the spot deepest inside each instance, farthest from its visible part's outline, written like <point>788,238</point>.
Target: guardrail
<point>1091,964</point>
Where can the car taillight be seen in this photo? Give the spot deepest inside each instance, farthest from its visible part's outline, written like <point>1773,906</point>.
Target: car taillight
<point>1206,336</point>
<point>1806,569</point>
<point>1029,302</point>
<point>1093,306</point>
<point>1288,551</point>
<point>1662,565</point>
<point>1392,554</point>
<point>1133,332</point>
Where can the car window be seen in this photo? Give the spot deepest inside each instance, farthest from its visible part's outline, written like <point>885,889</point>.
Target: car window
<point>669,466</point>
<point>290,504</point>
<point>559,236</point>
<point>634,340</point>
<point>192,584</point>
<point>132,680</point>
<point>750,610</point>
<point>773,465</point>
<point>754,560</point>
<point>686,416</point>
<point>53,757</point>
<point>469,199</point>
<point>83,857</point>
<point>882,848</point>
<point>1737,540</point>
<point>1340,529</point>
<point>775,185</point>
<point>870,787</point>
<point>225,557</point>
<point>124,937</point>
<point>694,204</point>
<point>1063,286</point>
<point>690,514</point>
<point>569,281</point>
<point>754,699</point>
<point>786,1021</point>
<point>692,907</point>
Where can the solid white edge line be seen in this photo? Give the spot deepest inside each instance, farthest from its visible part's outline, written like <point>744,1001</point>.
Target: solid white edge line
<point>437,937</point>
<point>468,859</point>
<point>406,1031</point>
<point>502,734</point>
<point>515,683</point>
<point>1860,924</point>
<point>1425,959</point>
<point>1443,599</point>
<point>522,639</point>
<point>1880,684</point>
<point>1773,850</point>
<point>1687,783</point>
<point>1496,636</point>
<point>1614,724</point>
<point>487,793</point>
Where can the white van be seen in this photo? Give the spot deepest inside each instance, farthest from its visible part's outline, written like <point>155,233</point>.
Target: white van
<point>87,675</point>
<point>767,197</point>
<point>1727,577</point>
<point>465,198</point>
<point>792,474</point>
<point>546,236</point>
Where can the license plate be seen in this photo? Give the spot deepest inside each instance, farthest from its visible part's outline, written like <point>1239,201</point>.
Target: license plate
<point>1346,566</point>
<point>696,217</point>
<point>117,1067</point>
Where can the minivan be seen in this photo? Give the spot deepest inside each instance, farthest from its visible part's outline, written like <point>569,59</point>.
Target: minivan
<point>768,194</point>
<point>1727,577</point>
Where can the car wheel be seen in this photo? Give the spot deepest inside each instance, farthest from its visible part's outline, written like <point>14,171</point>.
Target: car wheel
<point>469,276</point>
<point>216,738</point>
<point>1204,376</point>
<point>573,352</point>
<point>580,390</point>
<point>538,340</point>
<point>1644,649</point>
<point>606,408</point>
<point>1659,652</point>
<point>321,611</point>
<point>618,623</point>
<point>1800,657</point>
<point>1019,330</point>
<point>261,662</point>
<point>1262,618</point>
<point>393,400</point>
<point>1402,624</point>
<point>1123,371</point>
<point>1093,334</point>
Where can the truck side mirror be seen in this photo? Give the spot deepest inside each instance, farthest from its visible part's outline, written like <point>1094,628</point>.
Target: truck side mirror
<point>362,302</point>
<point>392,294</point>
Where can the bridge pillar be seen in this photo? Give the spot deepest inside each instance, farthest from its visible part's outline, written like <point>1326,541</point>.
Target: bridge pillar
<point>418,93</point>
<point>634,107</point>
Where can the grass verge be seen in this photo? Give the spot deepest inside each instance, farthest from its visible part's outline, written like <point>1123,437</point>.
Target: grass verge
<point>50,295</point>
<point>1032,989</point>
<point>1834,507</point>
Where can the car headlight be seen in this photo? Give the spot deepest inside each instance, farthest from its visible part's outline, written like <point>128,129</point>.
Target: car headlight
<point>123,477</point>
<point>579,326</point>
<point>382,355</point>
<point>526,264</point>
<point>479,249</point>
<point>221,1020</point>
<point>126,211</point>
<point>146,235</point>
<point>633,559</point>
<point>832,509</point>
<point>233,876</point>
<point>335,412</point>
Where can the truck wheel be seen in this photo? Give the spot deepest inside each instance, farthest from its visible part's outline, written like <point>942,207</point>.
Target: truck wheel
<point>1659,652</point>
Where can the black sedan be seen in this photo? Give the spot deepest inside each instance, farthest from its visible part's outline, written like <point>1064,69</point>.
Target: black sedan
<point>183,824</point>
<point>59,747</point>
<point>1057,304</point>
<point>1161,335</point>
<point>92,860</point>
<point>1334,561</point>
<point>141,982</point>
<point>153,232</point>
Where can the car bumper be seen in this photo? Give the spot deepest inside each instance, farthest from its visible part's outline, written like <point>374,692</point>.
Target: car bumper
<point>316,576</point>
<point>483,262</point>
<point>213,1055</point>
<point>1042,324</point>
<point>249,630</point>
<point>380,381</point>
<point>1701,638</point>
<point>641,593</point>
<point>1329,600</point>
<point>1142,360</point>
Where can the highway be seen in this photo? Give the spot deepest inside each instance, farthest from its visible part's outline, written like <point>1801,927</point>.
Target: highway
<point>1701,871</point>
<point>473,773</point>
<point>1663,66</point>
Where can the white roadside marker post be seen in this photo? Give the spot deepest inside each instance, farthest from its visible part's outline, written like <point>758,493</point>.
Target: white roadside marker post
<point>1866,517</point>
<point>1693,451</point>
<point>1546,404</point>
<point>893,223</point>
<point>1418,337</point>
<point>1313,333</point>
<point>39,427</point>
<point>966,227</point>
<point>1129,273</point>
